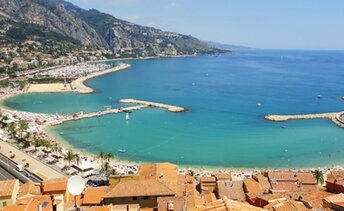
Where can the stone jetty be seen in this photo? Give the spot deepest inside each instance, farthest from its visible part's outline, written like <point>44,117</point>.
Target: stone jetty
<point>336,117</point>
<point>153,104</point>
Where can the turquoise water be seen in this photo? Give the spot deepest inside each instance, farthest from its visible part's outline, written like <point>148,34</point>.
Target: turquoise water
<point>223,127</point>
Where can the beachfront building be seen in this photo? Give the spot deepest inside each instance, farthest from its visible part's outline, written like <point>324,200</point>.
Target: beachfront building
<point>8,192</point>
<point>292,182</point>
<point>207,184</point>
<point>335,182</point>
<point>58,188</point>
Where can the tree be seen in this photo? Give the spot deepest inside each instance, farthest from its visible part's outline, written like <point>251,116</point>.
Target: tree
<point>77,158</point>
<point>105,168</point>
<point>37,143</point>
<point>69,157</point>
<point>102,157</point>
<point>109,156</point>
<point>114,172</point>
<point>318,176</point>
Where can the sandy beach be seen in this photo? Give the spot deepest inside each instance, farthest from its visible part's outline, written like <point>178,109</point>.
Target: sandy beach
<point>79,86</point>
<point>76,85</point>
<point>53,87</point>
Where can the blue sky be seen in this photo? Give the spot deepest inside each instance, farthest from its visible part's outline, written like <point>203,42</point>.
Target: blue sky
<point>279,24</point>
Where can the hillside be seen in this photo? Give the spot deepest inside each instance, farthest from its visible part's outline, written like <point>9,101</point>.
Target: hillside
<point>97,30</point>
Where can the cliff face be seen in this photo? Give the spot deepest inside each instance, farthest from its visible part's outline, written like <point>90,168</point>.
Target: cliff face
<point>100,30</point>
<point>56,18</point>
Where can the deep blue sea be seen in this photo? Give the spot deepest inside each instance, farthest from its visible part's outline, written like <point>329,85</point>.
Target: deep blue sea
<point>223,127</point>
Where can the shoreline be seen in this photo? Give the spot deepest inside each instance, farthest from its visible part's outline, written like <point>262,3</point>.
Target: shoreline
<point>78,85</point>
<point>203,168</point>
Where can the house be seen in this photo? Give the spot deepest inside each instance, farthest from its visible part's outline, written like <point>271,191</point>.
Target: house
<point>162,172</point>
<point>56,187</point>
<point>335,202</point>
<point>42,203</point>
<point>94,196</point>
<point>29,189</point>
<point>232,205</point>
<point>335,182</point>
<point>292,182</point>
<point>8,192</point>
<point>171,203</point>
<point>207,184</point>
<point>314,200</point>
<point>142,192</point>
<point>286,206</point>
<point>231,189</point>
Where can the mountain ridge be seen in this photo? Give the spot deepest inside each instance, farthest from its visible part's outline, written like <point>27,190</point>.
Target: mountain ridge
<point>103,31</point>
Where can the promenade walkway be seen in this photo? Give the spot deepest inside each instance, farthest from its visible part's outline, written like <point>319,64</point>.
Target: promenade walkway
<point>35,166</point>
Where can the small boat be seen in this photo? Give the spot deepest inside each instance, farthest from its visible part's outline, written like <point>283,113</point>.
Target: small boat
<point>127,116</point>
<point>259,104</point>
<point>283,126</point>
<point>318,96</point>
<point>122,151</point>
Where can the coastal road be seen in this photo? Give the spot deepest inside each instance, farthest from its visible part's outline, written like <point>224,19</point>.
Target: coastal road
<point>4,175</point>
<point>8,167</point>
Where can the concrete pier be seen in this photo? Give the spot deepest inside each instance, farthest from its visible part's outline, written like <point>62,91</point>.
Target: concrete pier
<point>153,104</point>
<point>335,117</point>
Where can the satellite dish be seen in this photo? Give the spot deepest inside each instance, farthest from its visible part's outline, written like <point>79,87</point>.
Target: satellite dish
<point>75,185</point>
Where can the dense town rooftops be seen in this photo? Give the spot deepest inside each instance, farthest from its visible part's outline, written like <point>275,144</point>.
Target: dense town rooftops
<point>7,188</point>
<point>135,188</point>
<point>95,195</point>
<point>29,188</point>
<point>52,185</point>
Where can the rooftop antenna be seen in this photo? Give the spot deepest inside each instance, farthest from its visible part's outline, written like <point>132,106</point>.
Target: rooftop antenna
<point>75,186</point>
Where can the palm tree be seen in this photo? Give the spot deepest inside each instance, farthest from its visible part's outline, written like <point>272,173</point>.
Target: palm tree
<point>113,172</point>
<point>37,143</point>
<point>12,129</point>
<point>105,168</point>
<point>69,157</point>
<point>109,156</point>
<point>77,159</point>
<point>102,156</point>
<point>318,176</point>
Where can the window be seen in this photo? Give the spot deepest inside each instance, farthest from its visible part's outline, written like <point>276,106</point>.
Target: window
<point>4,204</point>
<point>135,198</point>
<point>145,197</point>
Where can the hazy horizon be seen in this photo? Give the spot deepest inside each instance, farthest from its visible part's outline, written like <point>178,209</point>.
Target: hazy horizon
<point>268,24</point>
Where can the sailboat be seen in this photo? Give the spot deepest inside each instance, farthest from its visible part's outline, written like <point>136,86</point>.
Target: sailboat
<point>127,116</point>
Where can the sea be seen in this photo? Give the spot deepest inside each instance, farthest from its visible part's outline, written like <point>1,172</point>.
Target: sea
<point>227,97</point>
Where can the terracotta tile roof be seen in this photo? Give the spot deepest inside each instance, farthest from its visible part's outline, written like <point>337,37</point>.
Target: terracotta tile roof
<point>176,202</point>
<point>32,203</point>
<point>7,187</point>
<point>273,197</point>
<point>164,172</point>
<point>288,176</point>
<point>95,195</point>
<point>29,188</point>
<point>288,205</point>
<point>335,176</point>
<point>263,181</point>
<point>252,186</point>
<point>208,179</point>
<point>335,198</point>
<point>231,189</point>
<point>314,199</point>
<point>222,176</point>
<point>306,178</point>
<point>14,208</point>
<point>131,207</point>
<point>292,187</point>
<point>232,205</point>
<point>209,197</point>
<point>139,188</point>
<point>52,185</point>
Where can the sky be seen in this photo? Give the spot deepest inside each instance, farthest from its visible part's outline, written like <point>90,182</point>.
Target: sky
<point>270,24</point>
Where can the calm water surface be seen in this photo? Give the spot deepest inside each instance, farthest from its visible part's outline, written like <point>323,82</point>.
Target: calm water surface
<point>224,126</point>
